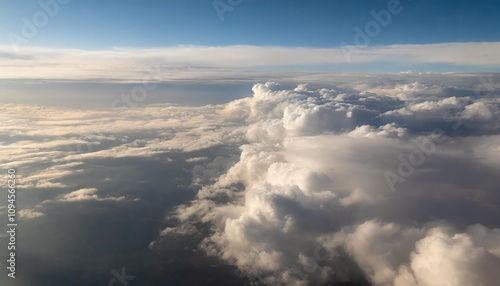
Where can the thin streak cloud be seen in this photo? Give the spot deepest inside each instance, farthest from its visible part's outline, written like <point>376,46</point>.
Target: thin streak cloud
<point>129,63</point>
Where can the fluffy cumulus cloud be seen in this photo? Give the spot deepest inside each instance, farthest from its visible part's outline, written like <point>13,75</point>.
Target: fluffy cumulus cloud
<point>432,255</point>
<point>84,195</point>
<point>389,183</point>
<point>29,214</point>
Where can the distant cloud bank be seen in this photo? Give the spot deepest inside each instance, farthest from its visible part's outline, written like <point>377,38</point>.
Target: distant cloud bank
<point>193,61</point>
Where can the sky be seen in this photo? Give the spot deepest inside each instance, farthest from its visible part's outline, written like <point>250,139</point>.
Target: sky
<point>97,24</point>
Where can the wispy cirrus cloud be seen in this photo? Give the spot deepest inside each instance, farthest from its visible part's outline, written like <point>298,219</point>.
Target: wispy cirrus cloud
<point>197,61</point>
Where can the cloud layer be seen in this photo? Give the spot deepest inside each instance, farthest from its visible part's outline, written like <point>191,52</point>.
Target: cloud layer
<point>315,174</point>
<point>202,61</point>
<point>376,180</point>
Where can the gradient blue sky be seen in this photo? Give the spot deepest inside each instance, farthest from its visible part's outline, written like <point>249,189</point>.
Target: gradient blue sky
<point>97,24</point>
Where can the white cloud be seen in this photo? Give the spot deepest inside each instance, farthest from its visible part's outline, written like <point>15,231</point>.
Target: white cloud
<point>445,259</point>
<point>129,63</point>
<point>313,171</point>
<point>310,171</point>
<point>196,159</point>
<point>26,214</point>
<point>432,255</point>
<point>87,194</point>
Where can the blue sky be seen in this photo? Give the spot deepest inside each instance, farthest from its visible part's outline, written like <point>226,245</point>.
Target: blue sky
<point>103,25</point>
<point>97,24</point>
